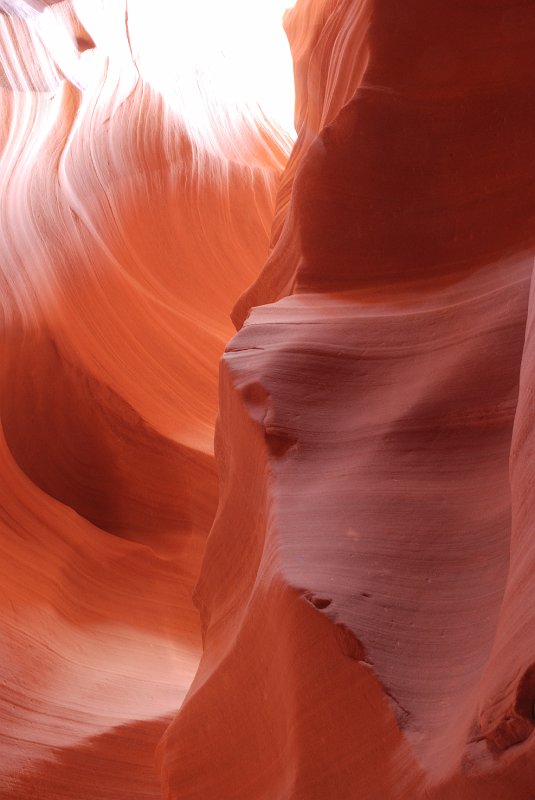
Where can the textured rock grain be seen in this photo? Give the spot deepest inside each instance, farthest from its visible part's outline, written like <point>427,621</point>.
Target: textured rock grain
<point>362,622</point>
<point>127,230</point>
<point>365,588</point>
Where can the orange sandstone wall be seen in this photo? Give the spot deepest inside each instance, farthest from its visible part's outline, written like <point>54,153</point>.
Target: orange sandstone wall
<point>366,591</point>
<point>125,238</point>
<point>362,622</point>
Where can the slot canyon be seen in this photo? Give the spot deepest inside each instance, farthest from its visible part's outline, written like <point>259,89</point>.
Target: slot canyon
<point>267,400</point>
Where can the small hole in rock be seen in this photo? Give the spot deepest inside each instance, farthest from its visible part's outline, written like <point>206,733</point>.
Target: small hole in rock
<point>255,394</point>
<point>278,444</point>
<point>525,694</point>
<point>321,602</point>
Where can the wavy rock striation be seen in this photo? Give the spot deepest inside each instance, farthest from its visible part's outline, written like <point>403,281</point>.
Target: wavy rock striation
<point>128,229</point>
<point>365,592</point>
<point>361,625</point>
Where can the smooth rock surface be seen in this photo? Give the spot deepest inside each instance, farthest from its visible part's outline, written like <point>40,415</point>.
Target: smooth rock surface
<point>364,592</point>
<point>129,225</point>
<point>359,621</point>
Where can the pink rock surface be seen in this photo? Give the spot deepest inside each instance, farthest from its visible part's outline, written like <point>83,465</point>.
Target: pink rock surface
<point>128,229</point>
<point>364,591</point>
<point>362,622</point>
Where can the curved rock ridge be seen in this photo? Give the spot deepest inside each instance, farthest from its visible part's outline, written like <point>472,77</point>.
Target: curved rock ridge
<point>330,50</point>
<point>99,644</point>
<point>358,623</point>
<point>354,608</point>
<point>422,151</point>
<point>129,226</point>
<point>365,590</point>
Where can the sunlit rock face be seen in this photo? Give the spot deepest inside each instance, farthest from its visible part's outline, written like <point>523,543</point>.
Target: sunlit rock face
<point>138,181</point>
<point>366,592</point>
<point>359,621</point>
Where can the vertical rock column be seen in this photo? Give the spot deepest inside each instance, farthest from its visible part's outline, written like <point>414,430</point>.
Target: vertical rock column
<point>354,578</point>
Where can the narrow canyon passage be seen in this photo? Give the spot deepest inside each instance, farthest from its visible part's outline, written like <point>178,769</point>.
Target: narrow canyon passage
<point>266,400</point>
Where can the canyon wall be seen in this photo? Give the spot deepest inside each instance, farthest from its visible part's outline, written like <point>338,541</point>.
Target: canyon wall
<point>340,605</point>
<point>365,589</point>
<point>128,228</point>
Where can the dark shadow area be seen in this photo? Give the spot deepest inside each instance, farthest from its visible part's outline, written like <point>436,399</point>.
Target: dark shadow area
<point>118,765</point>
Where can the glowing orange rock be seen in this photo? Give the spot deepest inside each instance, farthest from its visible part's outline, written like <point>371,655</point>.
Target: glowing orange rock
<point>364,635</point>
<point>364,606</point>
<point>129,227</point>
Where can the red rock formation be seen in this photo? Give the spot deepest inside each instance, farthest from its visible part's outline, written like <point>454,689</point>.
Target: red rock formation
<point>366,632</point>
<point>128,229</point>
<point>365,591</point>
